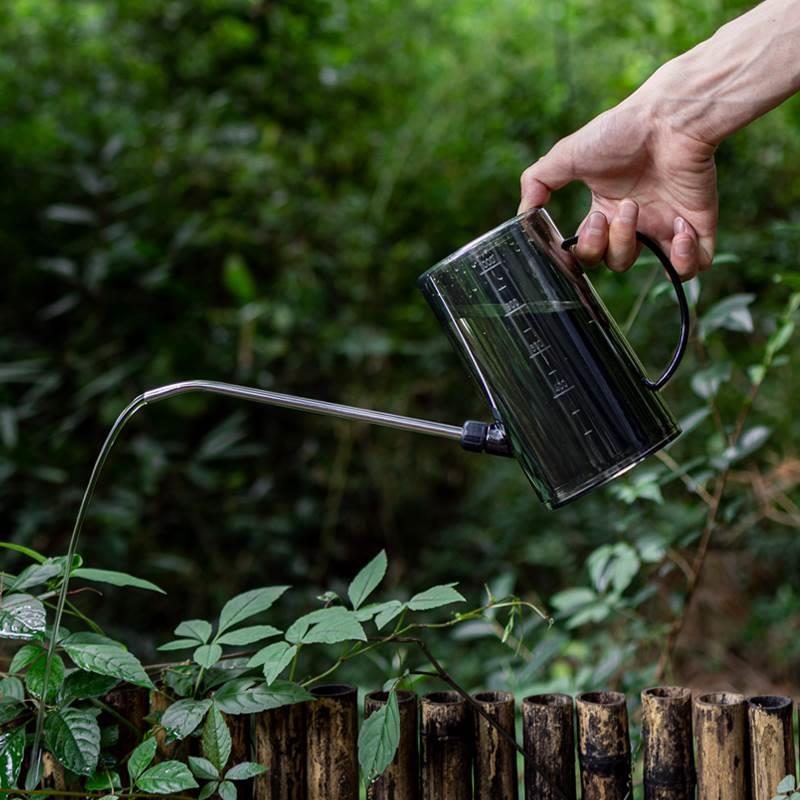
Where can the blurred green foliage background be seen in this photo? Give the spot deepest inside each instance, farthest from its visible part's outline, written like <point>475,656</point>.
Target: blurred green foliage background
<point>246,190</point>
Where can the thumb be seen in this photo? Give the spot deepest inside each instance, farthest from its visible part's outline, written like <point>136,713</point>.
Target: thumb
<point>550,172</point>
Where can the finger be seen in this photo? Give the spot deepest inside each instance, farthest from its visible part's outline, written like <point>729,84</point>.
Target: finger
<point>592,239</point>
<point>684,249</point>
<point>622,237</point>
<point>705,252</point>
<point>550,172</point>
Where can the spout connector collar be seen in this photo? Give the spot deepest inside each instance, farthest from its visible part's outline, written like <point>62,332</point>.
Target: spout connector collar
<point>481,437</point>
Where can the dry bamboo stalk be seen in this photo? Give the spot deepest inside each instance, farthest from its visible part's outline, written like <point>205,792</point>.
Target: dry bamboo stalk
<point>721,730</point>
<point>332,732</point>
<point>280,745</point>
<point>604,747</point>
<point>548,732</point>
<point>133,703</point>
<point>771,744</point>
<point>668,746</point>
<point>495,763</point>
<point>446,752</point>
<point>239,727</point>
<point>400,781</point>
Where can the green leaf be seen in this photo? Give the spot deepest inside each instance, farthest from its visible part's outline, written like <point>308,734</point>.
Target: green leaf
<point>73,737</point>
<point>571,599</point>
<point>207,655</point>
<point>104,659</point>
<point>245,770</point>
<point>103,781</point>
<point>109,736</point>
<point>12,751</point>
<point>388,613</point>
<point>613,566</point>
<point>166,778</point>
<point>243,636</point>
<point>239,696</point>
<point>179,644</point>
<point>183,717</point>
<point>596,612</point>
<point>378,739</point>
<point>787,784</point>
<point>38,574</point>
<point>34,677</point>
<point>115,579</point>
<point>780,338</point>
<point>26,551</point>
<point>208,790</point>
<point>246,605</point>
<point>25,656</point>
<point>435,597</point>
<point>367,580</point>
<point>227,791</point>
<point>141,758</point>
<point>238,279</point>
<point>750,441</point>
<point>326,626</point>
<point>198,629</point>
<point>216,739</point>
<point>274,658</point>
<point>10,709</point>
<point>22,616</point>
<point>12,688</point>
<point>707,382</point>
<point>732,313</point>
<point>203,769</point>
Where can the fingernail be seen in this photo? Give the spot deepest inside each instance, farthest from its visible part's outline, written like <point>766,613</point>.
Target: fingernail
<point>628,211</point>
<point>684,247</point>
<point>597,223</point>
<point>679,226</point>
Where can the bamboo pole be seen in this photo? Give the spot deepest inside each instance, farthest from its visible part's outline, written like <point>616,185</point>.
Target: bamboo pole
<point>280,745</point>
<point>400,781</point>
<point>721,732</point>
<point>548,734</point>
<point>331,756</point>
<point>771,743</point>
<point>604,748</point>
<point>668,746</point>
<point>446,751</point>
<point>495,763</point>
<point>239,727</point>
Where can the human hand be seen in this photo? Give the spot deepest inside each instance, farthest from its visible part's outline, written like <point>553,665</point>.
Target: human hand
<point>642,172</point>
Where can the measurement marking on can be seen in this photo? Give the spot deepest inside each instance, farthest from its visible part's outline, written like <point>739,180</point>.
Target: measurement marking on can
<point>587,433</point>
<point>489,269</point>
<point>576,411</point>
<point>563,392</point>
<point>538,351</point>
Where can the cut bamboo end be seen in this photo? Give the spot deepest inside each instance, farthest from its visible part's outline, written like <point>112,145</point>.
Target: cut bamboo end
<point>722,752</point>
<point>495,763</point>
<point>400,781</point>
<point>604,748</point>
<point>771,732</point>
<point>280,745</point>
<point>668,772</point>
<point>446,747</point>
<point>331,755</point>
<point>548,734</point>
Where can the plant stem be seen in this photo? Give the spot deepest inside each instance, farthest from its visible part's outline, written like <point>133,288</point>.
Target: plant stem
<point>114,713</point>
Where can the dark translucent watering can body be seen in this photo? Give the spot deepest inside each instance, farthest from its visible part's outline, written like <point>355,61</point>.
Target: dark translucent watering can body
<point>554,366</point>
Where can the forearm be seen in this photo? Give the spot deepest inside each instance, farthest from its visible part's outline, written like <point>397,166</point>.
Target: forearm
<point>749,66</point>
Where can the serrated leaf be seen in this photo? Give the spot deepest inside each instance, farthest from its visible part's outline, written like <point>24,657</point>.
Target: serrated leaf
<point>787,784</point>
<point>208,790</point>
<point>435,597</point>
<point>141,758</point>
<point>178,644</point>
<point>250,635</point>
<point>114,578</point>
<point>248,604</point>
<point>326,626</point>
<point>207,655</point>
<point>105,659</point>
<point>166,778</point>
<point>34,677</point>
<point>273,658</point>
<point>227,791</point>
<point>202,768</point>
<point>216,739</point>
<point>241,697</point>
<point>12,688</point>
<point>386,615</point>
<point>184,716</point>
<point>25,656</point>
<point>22,616</point>
<point>367,580</point>
<point>181,679</point>
<point>245,770</point>
<point>198,629</point>
<point>73,737</point>
<point>12,751</point>
<point>379,738</point>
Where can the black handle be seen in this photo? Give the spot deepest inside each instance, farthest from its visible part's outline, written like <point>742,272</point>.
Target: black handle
<point>682,304</point>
